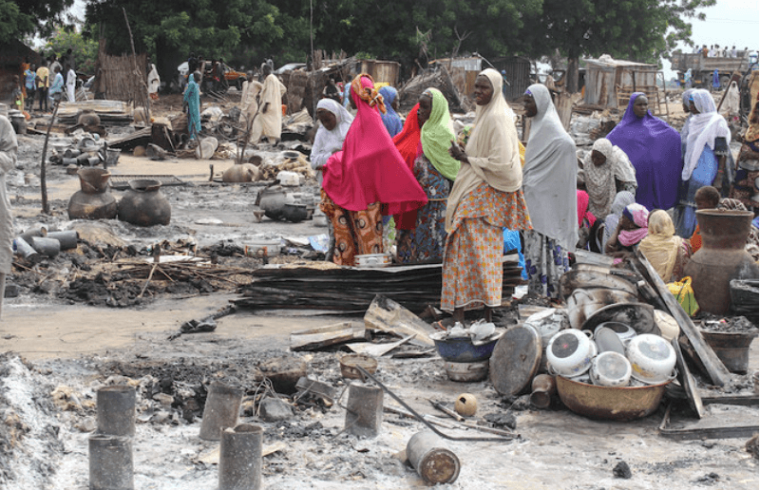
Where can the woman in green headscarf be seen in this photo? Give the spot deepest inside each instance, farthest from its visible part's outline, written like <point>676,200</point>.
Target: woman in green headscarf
<point>435,170</point>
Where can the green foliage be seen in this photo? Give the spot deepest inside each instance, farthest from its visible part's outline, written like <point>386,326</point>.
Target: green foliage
<point>85,51</point>
<point>19,18</point>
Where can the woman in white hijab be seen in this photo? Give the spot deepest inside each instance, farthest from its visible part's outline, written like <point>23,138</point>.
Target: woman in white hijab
<point>605,168</point>
<point>8,150</point>
<point>485,199</point>
<point>706,142</point>
<point>549,184</point>
<point>335,121</point>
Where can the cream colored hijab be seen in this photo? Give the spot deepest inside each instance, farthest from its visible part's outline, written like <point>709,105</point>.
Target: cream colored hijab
<point>492,150</point>
<point>660,246</point>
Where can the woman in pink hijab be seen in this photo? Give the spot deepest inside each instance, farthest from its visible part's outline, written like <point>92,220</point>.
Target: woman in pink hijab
<point>366,180</point>
<point>632,228</point>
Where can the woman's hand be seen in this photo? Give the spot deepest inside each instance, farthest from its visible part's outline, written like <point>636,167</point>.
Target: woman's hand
<point>458,153</point>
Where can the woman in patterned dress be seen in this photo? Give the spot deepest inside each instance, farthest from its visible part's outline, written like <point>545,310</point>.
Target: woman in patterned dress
<point>366,179</point>
<point>485,199</point>
<point>435,170</point>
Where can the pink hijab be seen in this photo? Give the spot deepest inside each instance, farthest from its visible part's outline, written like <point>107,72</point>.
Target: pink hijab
<point>583,209</point>
<point>640,216</point>
<point>370,169</point>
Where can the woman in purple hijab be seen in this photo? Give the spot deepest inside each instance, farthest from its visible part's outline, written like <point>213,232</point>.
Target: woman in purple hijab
<point>654,149</point>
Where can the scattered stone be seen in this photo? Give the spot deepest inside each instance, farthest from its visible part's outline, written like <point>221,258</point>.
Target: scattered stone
<point>501,419</point>
<point>622,470</point>
<point>161,417</point>
<point>752,446</point>
<point>709,479</point>
<point>521,404</point>
<point>87,424</point>
<point>274,410</point>
<point>164,399</point>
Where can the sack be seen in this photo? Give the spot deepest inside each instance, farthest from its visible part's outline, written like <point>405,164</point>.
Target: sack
<point>684,293</point>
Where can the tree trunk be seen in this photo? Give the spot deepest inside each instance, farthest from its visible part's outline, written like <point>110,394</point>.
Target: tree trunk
<point>571,86</point>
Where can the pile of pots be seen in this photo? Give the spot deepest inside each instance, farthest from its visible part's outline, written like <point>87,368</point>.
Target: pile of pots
<point>281,202</point>
<point>142,204</point>
<point>88,151</point>
<point>467,351</point>
<point>36,244</point>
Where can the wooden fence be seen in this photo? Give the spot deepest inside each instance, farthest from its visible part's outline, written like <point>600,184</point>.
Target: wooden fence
<point>121,77</point>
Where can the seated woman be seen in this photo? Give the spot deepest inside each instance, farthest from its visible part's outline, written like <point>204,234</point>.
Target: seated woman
<point>366,179</point>
<point>667,252</point>
<point>609,225</point>
<point>435,170</point>
<point>606,171</point>
<point>335,121</point>
<point>706,142</point>
<point>586,221</point>
<point>706,197</point>
<point>631,229</point>
<point>391,119</point>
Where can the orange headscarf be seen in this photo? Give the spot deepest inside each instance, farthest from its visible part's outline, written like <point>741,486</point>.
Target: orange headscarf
<point>370,95</point>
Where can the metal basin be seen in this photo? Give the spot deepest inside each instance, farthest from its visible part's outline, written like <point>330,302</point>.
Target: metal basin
<point>612,403</point>
<point>639,316</point>
<point>463,350</point>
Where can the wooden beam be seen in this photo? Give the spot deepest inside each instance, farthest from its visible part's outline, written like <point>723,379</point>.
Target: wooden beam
<point>713,366</point>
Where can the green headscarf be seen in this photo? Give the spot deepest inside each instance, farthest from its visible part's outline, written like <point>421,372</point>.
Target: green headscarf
<point>436,136</point>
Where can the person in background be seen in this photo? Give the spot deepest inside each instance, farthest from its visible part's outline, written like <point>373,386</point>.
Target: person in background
<point>71,84</point>
<point>30,75</point>
<point>335,122</point>
<point>331,91</point>
<point>249,102</point>
<point>686,105</point>
<point>43,84</point>
<point>744,187</point>
<point>606,171</point>
<point>654,149</point>
<point>605,230</point>
<point>549,184</point>
<point>192,63</point>
<point>631,229</point>
<point>408,144</point>
<point>17,95</point>
<point>391,119</point>
<point>667,252</point>
<point>68,60</point>
<point>366,179</point>
<point>25,65</point>
<point>54,63</point>
<point>586,220</point>
<point>192,99</point>
<point>8,151</point>
<point>154,82</point>
<point>485,199</point>
<point>707,141</point>
<point>435,170</point>
<point>707,197</point>
<point>733,51</point>
<point>705,51</point>
<point>269,121</point>
<point>56,88</point>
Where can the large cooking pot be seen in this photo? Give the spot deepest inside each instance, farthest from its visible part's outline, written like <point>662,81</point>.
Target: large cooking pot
<point>144,205</point>
<point>94,200</point>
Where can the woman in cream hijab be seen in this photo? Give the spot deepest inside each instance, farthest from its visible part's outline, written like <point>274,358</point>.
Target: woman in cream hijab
<point>486,198</point>
<point>667,252</point>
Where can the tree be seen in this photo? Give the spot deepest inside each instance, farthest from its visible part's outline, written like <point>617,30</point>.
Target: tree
<point>642,30</point>
<point>85,51</point>
<point>21,17</point>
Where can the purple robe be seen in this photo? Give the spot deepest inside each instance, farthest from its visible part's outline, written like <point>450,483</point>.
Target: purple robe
<point>654,149</point>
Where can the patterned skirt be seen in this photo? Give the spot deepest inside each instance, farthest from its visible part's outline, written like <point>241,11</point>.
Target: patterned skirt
<point>472,269</point>
<point>545,262</point>
<point>355,232</point>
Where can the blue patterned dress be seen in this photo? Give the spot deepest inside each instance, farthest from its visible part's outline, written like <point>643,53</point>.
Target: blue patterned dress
<point>425,243</point>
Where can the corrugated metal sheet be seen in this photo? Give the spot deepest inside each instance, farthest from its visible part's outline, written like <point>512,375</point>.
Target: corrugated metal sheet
<point>608,84</point>
<point>517,73</point>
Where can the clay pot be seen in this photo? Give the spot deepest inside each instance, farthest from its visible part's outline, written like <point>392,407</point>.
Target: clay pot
<point>721,259</point>
<point>245,172</point>
<point>95,200</point>
<point>272,200</point>
<point>144,205</point>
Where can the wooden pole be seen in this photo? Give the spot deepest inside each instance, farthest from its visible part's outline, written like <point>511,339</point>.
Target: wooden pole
<point>43,179</point>
<point>137,72</point>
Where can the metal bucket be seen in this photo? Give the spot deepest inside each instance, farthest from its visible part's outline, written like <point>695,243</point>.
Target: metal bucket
<point>467,372</point>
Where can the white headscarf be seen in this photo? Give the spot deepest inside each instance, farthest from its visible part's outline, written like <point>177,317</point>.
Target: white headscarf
<point>703,129</point>
<point>549,176</point>
<point>492,150</point>
<point>600,181</point>
<point>731,102</point>
<point>328,142</point>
